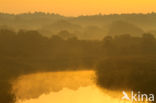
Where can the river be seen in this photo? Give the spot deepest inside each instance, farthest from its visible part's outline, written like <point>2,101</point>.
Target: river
<point>63,87</point>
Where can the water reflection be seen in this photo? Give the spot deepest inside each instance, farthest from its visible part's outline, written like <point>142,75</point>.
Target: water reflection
<point>62,87</point>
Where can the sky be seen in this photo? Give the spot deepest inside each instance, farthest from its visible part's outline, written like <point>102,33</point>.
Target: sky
<point>78,7</point>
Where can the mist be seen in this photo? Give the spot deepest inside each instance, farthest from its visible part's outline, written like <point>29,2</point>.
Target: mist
<point>121,49</point>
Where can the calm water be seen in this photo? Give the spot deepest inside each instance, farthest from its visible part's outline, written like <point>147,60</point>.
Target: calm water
<point>63,87</point>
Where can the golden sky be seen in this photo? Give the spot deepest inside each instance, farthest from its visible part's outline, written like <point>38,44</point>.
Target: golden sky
<point>78,7</point>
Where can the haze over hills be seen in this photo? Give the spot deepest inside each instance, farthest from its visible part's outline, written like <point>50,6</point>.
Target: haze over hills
<point>121,27</point>
<point>84,27</point>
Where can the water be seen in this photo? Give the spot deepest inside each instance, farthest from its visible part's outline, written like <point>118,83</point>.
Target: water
<point>63,87</point>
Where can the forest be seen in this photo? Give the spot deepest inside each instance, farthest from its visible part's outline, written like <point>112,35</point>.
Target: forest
<point>122,54</point>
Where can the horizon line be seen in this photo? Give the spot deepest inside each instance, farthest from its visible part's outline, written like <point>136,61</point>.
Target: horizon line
<point>83,15</point>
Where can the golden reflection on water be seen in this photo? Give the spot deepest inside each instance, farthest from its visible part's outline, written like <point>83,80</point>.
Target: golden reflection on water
<point>63,87</point>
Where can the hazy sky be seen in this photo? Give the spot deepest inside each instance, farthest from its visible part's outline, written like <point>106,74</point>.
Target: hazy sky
<point>78,7</point>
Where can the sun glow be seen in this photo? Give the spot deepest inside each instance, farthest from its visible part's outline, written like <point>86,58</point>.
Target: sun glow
<point>90,94</point>
<point>63,87</point>
<point>78,7</point>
